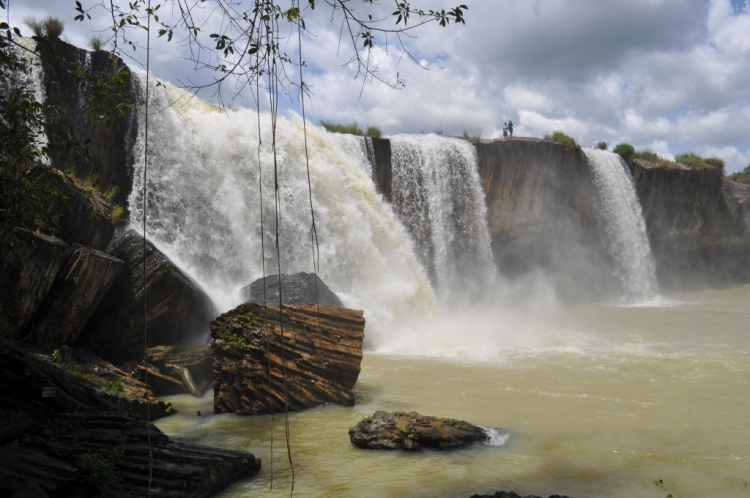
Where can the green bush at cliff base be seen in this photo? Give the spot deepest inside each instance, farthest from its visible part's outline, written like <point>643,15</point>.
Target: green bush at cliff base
<point>562,138</point>
<point>351,128</point>
<point>625,150</point>
<point>694,160</point>
<point>741,176</point>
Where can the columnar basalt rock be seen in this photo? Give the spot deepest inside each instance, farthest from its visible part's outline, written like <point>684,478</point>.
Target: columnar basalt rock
<point>311,352</point>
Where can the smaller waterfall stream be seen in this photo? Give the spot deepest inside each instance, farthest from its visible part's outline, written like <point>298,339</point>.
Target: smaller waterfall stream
<point>438,196</point>
<point>626,240</point>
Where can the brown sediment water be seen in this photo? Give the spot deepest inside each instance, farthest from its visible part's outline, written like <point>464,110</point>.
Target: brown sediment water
<point>600,401</point>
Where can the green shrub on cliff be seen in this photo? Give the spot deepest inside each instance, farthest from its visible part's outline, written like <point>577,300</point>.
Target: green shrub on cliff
<point>602,145</point>
<point>696,161</point>
<point>351,128</point>
<point>562,138</point>
<point>625,150</point>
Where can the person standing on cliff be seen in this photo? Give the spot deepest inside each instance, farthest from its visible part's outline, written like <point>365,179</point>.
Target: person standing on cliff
<point>505,130</point>
<point>510,128</point>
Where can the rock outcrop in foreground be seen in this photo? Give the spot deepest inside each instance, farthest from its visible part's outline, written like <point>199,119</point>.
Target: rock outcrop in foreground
<point>412,431</point>
<point>315,358</point>
<point>103,454</point>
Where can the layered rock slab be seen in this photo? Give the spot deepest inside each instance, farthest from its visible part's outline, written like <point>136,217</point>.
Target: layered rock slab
<point>313,353</point>
<point>412,431</point>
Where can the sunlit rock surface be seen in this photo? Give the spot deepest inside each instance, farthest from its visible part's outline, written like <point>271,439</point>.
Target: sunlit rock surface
<point>315,358</point>
<point>412,431</point>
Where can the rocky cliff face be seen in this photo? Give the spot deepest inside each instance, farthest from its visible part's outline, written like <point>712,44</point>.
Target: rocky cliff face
<point>543,216</point>
<point>68,105</point>
<point>697,223</point>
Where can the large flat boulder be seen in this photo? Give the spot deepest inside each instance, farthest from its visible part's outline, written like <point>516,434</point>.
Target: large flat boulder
<point>315,357</point>
<point>74,295</point>
<point>412,431</point>
<point>177,311</point>
<point>296,288</point>
<point>25,279</point>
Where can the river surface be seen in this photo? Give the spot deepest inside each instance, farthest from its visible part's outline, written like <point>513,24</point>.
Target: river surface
<point>600,401</point>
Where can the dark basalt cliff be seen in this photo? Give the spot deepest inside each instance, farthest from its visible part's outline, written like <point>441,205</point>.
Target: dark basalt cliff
<point>68,109</point>
<point>698,224</point>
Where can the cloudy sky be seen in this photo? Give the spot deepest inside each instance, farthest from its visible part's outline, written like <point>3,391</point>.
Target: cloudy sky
<point>670,75</point>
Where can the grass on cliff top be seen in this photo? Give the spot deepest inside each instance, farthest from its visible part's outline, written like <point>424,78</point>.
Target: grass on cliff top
<point>695,161</point>
<point>561,138</point>
<point>654,159</point>
<point>352,128</point>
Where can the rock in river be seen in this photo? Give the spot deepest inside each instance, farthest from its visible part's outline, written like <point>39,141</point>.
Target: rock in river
<point>412,431</point>
<point>315,357</point>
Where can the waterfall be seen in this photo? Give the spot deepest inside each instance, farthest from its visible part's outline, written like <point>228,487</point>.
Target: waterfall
<point>438,196</point>
<point>34,79</point>
<point>204,207</point>
<point>626,237</point>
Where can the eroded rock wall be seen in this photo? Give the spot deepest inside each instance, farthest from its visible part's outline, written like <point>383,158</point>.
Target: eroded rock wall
<point>697,224</point>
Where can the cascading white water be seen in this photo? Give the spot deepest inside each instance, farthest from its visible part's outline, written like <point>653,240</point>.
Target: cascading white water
<point>204,208</point>
<point>627,239</point>
<point>438,196</point>
<point>35,80</point>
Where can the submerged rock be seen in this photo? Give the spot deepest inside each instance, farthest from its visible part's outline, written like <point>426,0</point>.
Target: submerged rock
<point>315,359</point>
<point>297,288</point>
<point>412,431</point>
